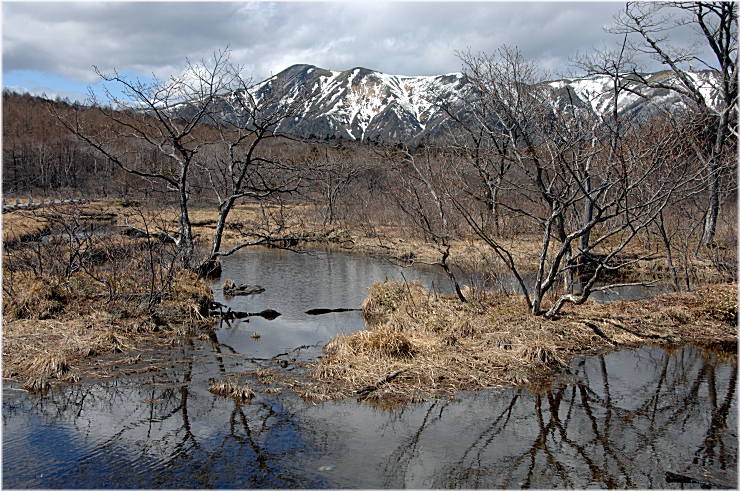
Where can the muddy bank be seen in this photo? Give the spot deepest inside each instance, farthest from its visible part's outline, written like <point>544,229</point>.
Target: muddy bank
<point>422,345</point>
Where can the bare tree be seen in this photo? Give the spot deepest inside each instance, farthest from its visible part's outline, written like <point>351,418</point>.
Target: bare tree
<point>239,166</point>
<point>165,117</point>
<point>209,123</point>
<point>420,194</point>
<point>648,26</point>
<point>471,139</point>
<point>575,175</point>
<point>332,174</point>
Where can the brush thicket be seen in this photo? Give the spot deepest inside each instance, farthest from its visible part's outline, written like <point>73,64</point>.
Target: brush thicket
<point>84,314</point>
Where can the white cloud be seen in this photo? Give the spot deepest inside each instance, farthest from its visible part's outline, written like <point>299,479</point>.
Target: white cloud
<point>404,38</point>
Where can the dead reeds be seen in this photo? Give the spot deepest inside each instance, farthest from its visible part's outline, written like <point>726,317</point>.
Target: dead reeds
<point>231,389</point>
<point>63,308</point>
<point>435,345</point>
<point>45,367</point>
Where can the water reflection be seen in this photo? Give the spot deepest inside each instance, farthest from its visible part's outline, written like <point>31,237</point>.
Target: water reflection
<point>296,283</point>
<point>165,431</point>
<point>617,420</point>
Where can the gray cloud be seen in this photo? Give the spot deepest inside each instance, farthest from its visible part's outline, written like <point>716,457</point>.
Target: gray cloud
<point>402,38</point>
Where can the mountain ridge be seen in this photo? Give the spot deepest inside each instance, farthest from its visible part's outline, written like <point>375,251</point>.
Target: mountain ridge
<point>367,105</point>
<point>363,104</point>
<point>356,104</point>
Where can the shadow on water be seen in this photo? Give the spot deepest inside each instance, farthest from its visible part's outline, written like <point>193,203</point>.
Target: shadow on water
<point>634,418</point>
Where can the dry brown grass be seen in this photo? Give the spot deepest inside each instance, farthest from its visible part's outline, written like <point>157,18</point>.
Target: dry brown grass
<point>388,240</point>
<point>35,299</point>
<point>302,220</point>
<point>50,333</point>
<point>22,225</point>
<point>231,389</point>
<point>51,315</point>
<point>439,346</point>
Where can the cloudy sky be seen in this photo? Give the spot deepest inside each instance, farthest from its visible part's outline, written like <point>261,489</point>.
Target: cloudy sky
<point>51,47</point>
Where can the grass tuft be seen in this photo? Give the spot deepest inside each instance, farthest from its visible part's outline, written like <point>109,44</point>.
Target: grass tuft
<point>37,299</point>
<point>383,343</point>
<point>49,330</point>
<point>49,365</point>
<point>421,345</point>
<point>231,389</point>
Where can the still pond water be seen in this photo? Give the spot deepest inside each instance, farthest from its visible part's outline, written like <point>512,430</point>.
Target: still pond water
<point>624,419</point>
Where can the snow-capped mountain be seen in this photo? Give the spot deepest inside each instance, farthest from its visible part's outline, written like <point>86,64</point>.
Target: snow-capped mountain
<point>597,92</point>
<point>366,105</point>
<point>359,104</point>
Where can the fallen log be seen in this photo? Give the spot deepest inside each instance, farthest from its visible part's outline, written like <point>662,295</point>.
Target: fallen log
<point>328,311</point>
<point>231,289</point>
<point>33,206</point>
<point>268,314</point>
<point>217,309</point>
<point>600,333</point>
<point>88,215</point>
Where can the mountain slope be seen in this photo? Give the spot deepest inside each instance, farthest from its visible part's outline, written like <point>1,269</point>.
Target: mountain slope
<point>358,104</point>
<point>362,104</point>
<point>597,92</point>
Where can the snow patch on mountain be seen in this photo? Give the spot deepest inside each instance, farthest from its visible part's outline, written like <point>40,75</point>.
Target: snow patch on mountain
<point>363,104</point>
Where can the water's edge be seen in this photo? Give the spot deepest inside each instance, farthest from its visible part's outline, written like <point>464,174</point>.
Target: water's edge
<point>630,418</point>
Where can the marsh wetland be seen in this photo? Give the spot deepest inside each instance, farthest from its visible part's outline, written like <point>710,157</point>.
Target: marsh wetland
<point>210,281</point>
<point>644,417</point>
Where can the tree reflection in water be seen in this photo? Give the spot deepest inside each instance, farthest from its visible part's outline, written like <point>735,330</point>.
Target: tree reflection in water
<point>595,432</point>
<point>617,420</point>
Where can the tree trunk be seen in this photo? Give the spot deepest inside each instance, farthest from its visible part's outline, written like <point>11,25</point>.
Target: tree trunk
<point>588,214</point>
<point>710,224</point>
<point>715,174</point>
<point>329,213</point>
<point>220,226</point>
<point>451,275</point>
<point>494,208</point>
<point>668,252</point>
<point>186,230</point>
